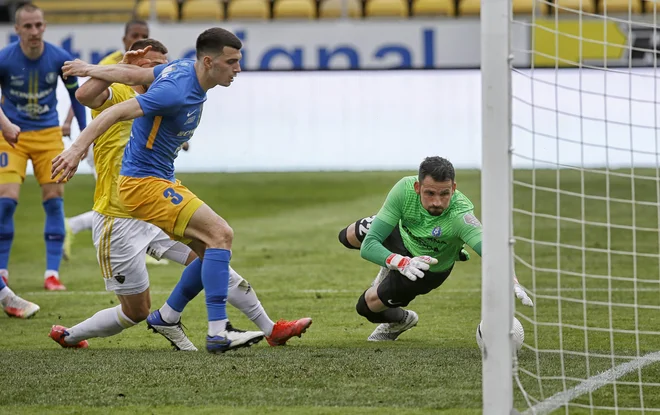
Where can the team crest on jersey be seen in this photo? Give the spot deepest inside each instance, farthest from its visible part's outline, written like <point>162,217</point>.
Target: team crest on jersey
<point>51,77</point>
<point>470,219</point>
<point>436,232</point>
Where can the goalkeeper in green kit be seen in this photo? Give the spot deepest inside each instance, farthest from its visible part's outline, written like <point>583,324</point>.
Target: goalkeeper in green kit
<point>416,238</point>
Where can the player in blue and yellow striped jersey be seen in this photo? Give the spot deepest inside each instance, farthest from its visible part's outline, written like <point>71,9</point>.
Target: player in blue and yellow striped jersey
<point>29,121</point>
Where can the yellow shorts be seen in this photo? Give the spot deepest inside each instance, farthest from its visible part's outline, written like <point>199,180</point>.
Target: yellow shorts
<point>160,202</point>
<point>40,146</point>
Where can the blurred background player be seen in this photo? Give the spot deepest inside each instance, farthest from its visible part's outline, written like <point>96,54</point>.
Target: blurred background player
<point>133,30</point>
<point>15,306</point>
<point>29,70</point>
<point>416,237</point>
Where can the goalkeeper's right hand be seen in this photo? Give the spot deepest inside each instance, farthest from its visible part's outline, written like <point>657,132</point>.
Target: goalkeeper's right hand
<point>412,268</point>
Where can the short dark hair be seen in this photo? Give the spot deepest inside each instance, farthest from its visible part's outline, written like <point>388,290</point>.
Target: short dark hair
<point>134,22</point>
<point>25,6</point>
<point>440,169</point>
<point>156,46</point>
<point>214,40</point>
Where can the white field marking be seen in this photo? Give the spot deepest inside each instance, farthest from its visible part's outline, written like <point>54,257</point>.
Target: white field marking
<point>557,400</point>
<point>333,291</point>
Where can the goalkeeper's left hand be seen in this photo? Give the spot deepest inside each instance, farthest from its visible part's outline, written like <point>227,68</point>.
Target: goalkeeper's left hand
<point>522,295</point>
<point>463,255</point>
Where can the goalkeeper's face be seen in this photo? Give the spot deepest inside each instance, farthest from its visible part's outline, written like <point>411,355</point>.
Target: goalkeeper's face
<point>435,196</point>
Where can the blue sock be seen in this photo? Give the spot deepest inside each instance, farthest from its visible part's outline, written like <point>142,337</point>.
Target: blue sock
<point>188,286</point>
<point>215,277</point>
<point>7,208</point>
<point>54,232</point>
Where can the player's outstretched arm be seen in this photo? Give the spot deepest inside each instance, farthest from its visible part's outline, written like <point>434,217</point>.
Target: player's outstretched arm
<point>470,231</point>
<point>93,93</point>
<point>66,163</point>
<point>122,73</point>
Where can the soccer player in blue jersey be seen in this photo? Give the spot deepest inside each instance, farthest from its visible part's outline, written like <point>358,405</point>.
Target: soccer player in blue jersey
<point>166,117</point>
<point>29,70</point>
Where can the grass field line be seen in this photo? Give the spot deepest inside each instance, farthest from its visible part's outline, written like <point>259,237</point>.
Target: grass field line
<point>336,291</point>
<point>591,384</point>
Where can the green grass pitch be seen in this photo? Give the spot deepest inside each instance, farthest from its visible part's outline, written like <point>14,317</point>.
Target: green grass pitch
<point>286,246</point>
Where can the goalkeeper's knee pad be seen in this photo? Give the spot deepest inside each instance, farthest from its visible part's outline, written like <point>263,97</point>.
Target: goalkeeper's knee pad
<point>363,309</point>
<point>344,240</point>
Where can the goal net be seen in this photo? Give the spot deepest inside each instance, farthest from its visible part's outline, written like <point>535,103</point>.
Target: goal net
<point>586,207</point>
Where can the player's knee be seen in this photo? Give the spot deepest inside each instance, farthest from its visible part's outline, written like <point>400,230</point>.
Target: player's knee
<point>10,190</point>
<point>221,235</point>
<point>52,191</point>
<point>343,238</point>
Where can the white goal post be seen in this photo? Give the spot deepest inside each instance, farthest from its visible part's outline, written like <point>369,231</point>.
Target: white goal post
<point>571,206</point>
<point>497,286</point>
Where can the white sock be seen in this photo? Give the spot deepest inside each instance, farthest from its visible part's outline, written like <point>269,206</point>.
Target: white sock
<point>5,293</point>
<point>51,273</point>
<point>81,222</point>
<point>217,326</point>
<point>4,273</point>
<point>105,323</point>
<point>242,296</point>
<point>169,314</point>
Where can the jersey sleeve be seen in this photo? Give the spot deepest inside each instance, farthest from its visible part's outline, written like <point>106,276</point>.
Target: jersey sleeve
<point>469,230</point>
<point>164,97</point>
<point>392,209</point>
<point>71,81</point>
<point>159,68</point>
<point>372,248</point>
<point>118,93</point>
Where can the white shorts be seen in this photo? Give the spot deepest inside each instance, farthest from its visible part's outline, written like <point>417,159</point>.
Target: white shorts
<point>121,245</point>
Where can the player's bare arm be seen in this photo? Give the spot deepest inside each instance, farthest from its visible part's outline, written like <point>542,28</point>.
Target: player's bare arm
<point>67,162</point>
<point>10,131</point>
<point>126,74</point>
<point>93,93</point>
<point>66,125</point>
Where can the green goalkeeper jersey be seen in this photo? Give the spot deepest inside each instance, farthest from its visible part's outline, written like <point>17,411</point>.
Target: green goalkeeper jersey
<point>441,237</point>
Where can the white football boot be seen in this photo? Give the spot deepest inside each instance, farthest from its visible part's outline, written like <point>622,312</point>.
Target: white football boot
<point>390,331</point>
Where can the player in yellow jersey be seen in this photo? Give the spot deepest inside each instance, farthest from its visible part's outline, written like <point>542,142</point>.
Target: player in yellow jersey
<point>134,30</point>
<point>121,241</point>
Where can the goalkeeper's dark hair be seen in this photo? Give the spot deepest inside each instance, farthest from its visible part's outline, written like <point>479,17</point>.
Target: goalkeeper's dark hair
<point>213,41</point>
<point>156,46</point>
<point>134,22</point>
<point>440,169</point>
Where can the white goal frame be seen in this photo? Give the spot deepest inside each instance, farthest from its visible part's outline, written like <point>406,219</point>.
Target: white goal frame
<point>497,303</point>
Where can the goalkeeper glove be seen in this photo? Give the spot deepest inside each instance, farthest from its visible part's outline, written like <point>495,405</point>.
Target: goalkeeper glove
<point>463,255</point>
<point>522,295</point>
<point>412,268</point>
